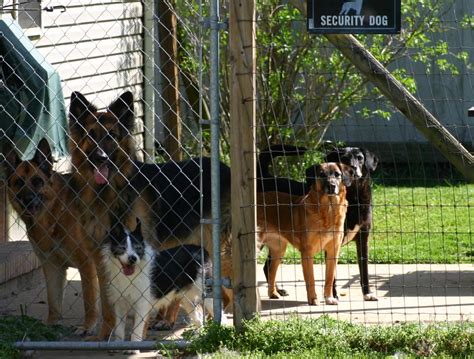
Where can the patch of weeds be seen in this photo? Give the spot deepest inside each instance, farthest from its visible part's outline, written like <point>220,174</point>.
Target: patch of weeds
<point>24,328</point>
<point>313,338</point>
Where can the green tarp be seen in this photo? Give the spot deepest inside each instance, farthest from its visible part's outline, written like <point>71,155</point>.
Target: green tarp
<point>31,98</point>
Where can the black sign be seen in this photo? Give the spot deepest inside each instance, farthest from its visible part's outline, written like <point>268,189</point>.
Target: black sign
<point>354,16</point>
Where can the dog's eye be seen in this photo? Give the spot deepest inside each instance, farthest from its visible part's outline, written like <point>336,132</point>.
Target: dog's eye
<point>37,182</point>
<point>337,174</point>
<point>119,249</point>
<point>93,134</point>
<point>113,135</point>
<point>19,182</point>
<point>360,157</point>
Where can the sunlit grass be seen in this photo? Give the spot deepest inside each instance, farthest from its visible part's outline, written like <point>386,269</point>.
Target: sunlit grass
<point>416,225</point>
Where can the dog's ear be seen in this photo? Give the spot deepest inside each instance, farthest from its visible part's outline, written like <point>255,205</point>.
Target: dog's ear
<point>138,229</point>
<point>78,110</point>
<point>371,161</point>
<point>43,157</point>
<point>333,156</point>
<point>122,109</point>
<point>10,160</point>
<point>348,174</point>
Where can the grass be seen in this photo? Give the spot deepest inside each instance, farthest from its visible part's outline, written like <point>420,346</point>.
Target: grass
<point>326,337</point>
<point>24,328</point>
<point>433,224</point>
<point>293,338</point>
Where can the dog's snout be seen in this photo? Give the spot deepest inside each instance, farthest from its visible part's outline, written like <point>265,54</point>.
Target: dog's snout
<point>101,155</point>
<point>132,259</point>
<point>332,188</point>
<point>29,199</point>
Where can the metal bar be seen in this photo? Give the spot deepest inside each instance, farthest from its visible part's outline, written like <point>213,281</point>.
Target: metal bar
<point>215,163</point>
<point>117,345</point>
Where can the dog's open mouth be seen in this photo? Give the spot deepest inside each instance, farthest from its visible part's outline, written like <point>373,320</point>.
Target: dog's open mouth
<point>101,174</point>
<point>128,269</point>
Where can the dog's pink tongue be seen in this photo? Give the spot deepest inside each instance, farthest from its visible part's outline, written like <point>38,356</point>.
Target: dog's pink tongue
<point>128,269</point>
<point>101,174</point>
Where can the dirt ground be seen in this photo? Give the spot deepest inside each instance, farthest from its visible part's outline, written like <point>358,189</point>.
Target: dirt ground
<point>406,293</point>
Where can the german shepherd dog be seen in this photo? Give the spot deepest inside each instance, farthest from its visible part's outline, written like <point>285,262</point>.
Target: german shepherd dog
<point>142,279</point>
<point>114,186</point>
<point>311,223</point>
<point>42,199</point>
<point>359,196</point>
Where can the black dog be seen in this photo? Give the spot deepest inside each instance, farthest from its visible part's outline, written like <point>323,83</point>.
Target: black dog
<point>359,213</point>
<point>266,182</point>
<point>359,195</point>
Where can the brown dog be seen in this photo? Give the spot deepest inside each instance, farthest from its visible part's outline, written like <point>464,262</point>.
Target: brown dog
<point>42,199</point>
<point>311,223</point>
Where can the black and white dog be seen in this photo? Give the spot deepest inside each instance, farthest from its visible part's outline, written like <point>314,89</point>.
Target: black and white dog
<point>142,279</point>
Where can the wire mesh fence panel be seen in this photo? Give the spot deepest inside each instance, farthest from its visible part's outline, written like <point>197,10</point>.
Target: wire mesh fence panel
<point>406,252</point>
<point>106,202</point>
<point>110,181</point>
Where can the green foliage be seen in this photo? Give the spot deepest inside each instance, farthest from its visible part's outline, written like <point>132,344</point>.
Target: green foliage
<point>323,337</point>
<point>24,328</point>
<point>303,83</point>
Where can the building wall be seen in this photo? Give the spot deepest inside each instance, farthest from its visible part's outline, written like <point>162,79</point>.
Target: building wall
<point>446,95</point>
<point>96,47</point>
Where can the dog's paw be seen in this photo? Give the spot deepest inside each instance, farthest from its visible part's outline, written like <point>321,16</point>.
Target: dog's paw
<point>313,301</point>
<point>131,351</point>
<point>331,301</point>
<point>283,292</point>
<point>273,295</point>
<point>370,297</point>
<point>162,325</point>
<point>93,338</point>
<point>81,331</point>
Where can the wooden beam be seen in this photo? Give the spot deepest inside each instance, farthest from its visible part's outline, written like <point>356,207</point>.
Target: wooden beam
<point>406,103</point>
<point>242,32</point>
<point>168,37</point>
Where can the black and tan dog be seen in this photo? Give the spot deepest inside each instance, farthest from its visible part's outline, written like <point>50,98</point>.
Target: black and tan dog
<point>359,196</point>
<point>42,199</point>
<point>113,186</point>
<point>311,223</point>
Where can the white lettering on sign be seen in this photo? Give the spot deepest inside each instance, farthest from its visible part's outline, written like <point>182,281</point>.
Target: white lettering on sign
<point>378,20</point>
<point>342,20</point>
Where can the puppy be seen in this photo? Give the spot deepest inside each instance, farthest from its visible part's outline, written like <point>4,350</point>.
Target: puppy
<point>142,279</point>
<point>42,199</point>
<point>311,223</point>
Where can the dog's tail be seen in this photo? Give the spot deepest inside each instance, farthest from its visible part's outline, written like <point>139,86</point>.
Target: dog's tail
<point>266,156</point>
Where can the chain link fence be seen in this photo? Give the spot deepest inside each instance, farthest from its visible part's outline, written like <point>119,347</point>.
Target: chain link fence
<point>111,169</point>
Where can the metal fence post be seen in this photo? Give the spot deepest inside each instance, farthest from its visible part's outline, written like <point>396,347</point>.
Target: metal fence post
<point>215,164</point>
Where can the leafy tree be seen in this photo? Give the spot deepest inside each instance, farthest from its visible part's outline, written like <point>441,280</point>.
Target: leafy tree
<point>304,83</point>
